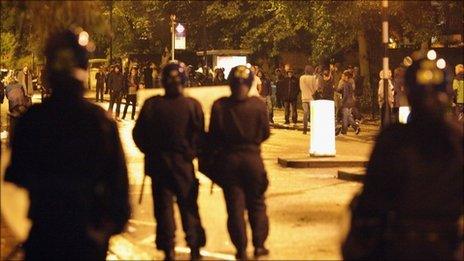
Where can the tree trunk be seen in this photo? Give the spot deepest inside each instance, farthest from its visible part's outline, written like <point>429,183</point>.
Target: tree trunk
<point>363,58</point>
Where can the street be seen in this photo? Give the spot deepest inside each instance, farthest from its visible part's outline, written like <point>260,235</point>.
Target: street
<point>305,206</point>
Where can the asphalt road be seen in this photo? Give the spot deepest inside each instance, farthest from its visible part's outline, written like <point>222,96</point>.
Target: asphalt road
<point>306,207</point>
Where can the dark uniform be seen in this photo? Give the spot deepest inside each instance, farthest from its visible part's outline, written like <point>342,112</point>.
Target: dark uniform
<point>412,200</point>
<point>66,152</point>
<point>237,129</point>
<point>168,131</point>
<point>117,83</point>
<point>290,88</point>
<point>100,85</point>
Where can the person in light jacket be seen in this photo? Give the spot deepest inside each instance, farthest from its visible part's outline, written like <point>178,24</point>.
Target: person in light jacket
<point>308,86</point>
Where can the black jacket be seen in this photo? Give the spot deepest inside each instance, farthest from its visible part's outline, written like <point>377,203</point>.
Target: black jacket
<point>117,82</point>
<point>68,155</point>
<point>290,88</point>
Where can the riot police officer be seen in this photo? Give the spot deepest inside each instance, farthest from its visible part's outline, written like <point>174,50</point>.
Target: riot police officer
<point>168,131</point>
<point>66,152</point>
<point>239,124</point>
<point>411,204</point>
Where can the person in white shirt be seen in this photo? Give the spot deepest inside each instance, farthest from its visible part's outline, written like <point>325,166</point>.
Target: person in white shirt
<point>256,85</point>
<point>380,95</point>
<point>308,86</point>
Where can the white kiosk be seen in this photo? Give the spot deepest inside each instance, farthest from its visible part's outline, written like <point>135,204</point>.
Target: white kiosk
<point>322,142</point>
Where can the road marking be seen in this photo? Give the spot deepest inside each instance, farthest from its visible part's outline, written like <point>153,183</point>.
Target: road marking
<point>141,222</point>
<point>205,253</point>
<point>150,240</point>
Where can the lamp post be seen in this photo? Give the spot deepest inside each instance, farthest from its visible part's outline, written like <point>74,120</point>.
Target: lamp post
<point>385,67</point>
<point>173,35</point>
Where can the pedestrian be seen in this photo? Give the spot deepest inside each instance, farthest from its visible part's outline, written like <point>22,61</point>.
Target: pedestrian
<point>327,86</point>
<point>410,207</point>
<point>117,83</point>
<point>380,96</point>
<point>278,76</point>
<point>148,78</point>
<point>265,93</point>
<point>239,124</point>
<point>358,93</point>
<point>100,86</point>
<point>108,71</point>
<point>399,93</point>
<point>67,154</point>
<point>25,79</point>
<point>219,77</point>
<point>131,96</point>
<point>348,103</point>
<point>257,84</point>
<point>18,102</point>
<point>290,90</point>
<point>308,87</point>
<point>168,132</point>
<point>458,87</point>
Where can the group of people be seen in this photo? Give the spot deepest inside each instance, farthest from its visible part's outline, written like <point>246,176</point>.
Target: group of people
<point>67,153</point>
<point>344,88</point>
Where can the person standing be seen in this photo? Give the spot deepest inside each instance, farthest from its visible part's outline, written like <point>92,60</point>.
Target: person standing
<point>148,76</point>
<point>169,151</point>
<point>257,84</point>
<point>131,96</point>
<point>239,124</point>
<point>290,91</point>
<point>18,102</point>
<point>108,71</point>
<point>266,94</point>
<point>278,76</point>
<point>348,102</point>
<point>308,86</point>
<point>67,154</point>
<point>458,87</point>
<point>25,79</point>
<point>380,95</point>
<point>327,86</point>
<point>117,85</point>
<point>100,85</point>
<point>399,94</point>
<point>410,207</point>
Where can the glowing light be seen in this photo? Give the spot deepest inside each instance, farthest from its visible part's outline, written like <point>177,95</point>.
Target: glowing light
<point>441,64</point>
<point>404,112</point>
<point>83,38</point>
<point>180,28</point>
<point>407,61</point>
<point>432,55</point>
<point>322,142</point>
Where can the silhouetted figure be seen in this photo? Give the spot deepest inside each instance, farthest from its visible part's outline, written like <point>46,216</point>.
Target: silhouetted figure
<point>239,124</point>
<point>117,83</point>
<point>133,82</point>
<point>66,152</point>
<point>412,200</point>
<point>100,78</point>
<point>290,89</point>
<point>168,132</point>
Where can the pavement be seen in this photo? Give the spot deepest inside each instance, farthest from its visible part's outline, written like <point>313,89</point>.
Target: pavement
<point>306,207</point>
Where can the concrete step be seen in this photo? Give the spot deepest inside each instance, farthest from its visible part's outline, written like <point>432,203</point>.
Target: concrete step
<point>356,175</point>
<point>339,161</point>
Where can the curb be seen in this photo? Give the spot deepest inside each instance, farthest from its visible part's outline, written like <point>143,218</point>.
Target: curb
<point>355,175</point>
<point>332,162</point>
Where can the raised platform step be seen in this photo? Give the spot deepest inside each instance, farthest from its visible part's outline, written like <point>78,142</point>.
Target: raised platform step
<point>341,161</point>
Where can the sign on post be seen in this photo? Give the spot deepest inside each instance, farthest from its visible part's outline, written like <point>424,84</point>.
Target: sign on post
<point>180,37</point>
